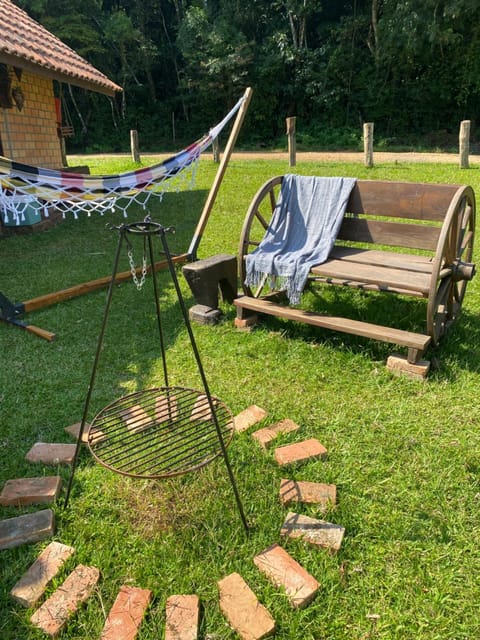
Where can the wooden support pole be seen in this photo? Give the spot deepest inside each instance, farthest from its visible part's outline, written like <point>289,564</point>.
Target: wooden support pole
<point>464,143</point>
<point>202,223</point>
<point>368,143</point>
<point>134,145</point>
<point>80,289</point>
<point>292,140</point>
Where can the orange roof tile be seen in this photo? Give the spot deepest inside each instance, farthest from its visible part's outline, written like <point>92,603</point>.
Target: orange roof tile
<point>26,44</point>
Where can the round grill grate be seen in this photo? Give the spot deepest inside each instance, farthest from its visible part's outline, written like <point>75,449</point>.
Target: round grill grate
<point>161,432</point>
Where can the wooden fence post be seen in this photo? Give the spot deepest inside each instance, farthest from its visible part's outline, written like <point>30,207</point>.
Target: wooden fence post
<point>292,140</point>
<point>368,143</point>
<point>464,143</point>
<point>216,151</point>
<point>134,145</point>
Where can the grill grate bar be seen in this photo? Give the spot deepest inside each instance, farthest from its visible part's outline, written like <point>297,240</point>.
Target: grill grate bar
<point>160,445</point>
<point>160,432</point>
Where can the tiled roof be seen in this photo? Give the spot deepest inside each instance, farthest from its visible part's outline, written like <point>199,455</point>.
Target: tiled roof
<point>26,44</point>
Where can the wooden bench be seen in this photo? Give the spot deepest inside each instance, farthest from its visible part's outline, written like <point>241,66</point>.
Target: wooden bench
<point>405,238</point>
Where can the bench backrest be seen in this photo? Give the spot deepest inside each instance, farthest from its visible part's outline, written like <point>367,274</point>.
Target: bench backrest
<point>374,206</point>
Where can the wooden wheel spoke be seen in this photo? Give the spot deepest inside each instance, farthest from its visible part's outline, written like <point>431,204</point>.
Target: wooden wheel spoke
<point>261,219</point>
<point>255,224</point>
<point>273,200</point>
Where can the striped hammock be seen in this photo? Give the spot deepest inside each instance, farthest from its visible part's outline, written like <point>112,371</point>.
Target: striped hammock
<point>23,187</point>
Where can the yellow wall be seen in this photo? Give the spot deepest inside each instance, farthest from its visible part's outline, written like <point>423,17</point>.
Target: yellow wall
<point>30,135</point>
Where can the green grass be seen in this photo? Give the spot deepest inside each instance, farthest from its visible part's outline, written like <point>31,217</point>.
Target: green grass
<point>404,454</point>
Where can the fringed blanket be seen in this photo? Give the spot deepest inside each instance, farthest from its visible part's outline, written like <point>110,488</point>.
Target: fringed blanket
<point>301,233</point>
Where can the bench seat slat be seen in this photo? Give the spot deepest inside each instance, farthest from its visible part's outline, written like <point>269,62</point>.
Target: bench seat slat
<point>409,262</point>
<point>384,277</point>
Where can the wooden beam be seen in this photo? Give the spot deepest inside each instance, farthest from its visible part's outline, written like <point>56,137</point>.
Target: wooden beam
<point>202,223</point>
<point>72,292</point>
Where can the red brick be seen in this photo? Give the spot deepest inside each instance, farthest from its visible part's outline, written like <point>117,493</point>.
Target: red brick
<point>245,323</point>
<point>126,614</point>
<point>136,418</point>
<point>33,583</point>
<point>74,431</point>
<point>400,365</point>
<point>266,435</point>
<point>286,572</point>
<point>47,453</point>
<point>32,527</point>
<point>318,532</point>
<point>54,613</point>
<point>248,417</point>
<point>25,491</point>
<point>300,452</point>
<point>201,409</point>
<point>245,614</point>
<point>182,613</point>
<point>166,409</point>
<point>292,491</point>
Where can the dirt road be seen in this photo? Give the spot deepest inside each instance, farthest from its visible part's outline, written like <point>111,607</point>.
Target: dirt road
<point>310,156</point>
<point>348,156</point>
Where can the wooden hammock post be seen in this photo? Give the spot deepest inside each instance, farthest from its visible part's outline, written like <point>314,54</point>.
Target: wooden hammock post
<point>237,125</point>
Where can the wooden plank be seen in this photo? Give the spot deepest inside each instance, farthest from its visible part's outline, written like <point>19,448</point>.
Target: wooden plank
<point>365,286</point>
<point>81,289</point>
<point>408,339</point>
<point>384,277</point>
<point>212,195</point>
<point>419,201</point>
<point>395,234</point>
<point>376,257</point>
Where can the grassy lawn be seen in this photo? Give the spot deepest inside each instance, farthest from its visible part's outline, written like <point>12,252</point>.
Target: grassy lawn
<point>404,455</point>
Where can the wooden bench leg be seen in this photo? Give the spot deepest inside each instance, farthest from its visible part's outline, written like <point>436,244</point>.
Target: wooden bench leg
<point>245,318</point>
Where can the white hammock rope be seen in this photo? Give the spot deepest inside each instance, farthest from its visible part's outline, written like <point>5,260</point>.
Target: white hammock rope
<point>24,188</point>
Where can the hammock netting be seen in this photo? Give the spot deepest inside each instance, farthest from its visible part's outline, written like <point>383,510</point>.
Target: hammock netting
<point>23,186</point>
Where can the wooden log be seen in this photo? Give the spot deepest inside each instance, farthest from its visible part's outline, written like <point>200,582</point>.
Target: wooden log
<point>134,145</point>
<point>368,143</point>
<point>72,292</point>
<point>292,141</point>
<point>464,143</point>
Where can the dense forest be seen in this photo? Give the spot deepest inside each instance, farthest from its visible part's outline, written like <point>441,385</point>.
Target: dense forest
<point>410,66</point>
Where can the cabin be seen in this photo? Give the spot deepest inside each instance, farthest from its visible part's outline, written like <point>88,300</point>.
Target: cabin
<point>32,60</point>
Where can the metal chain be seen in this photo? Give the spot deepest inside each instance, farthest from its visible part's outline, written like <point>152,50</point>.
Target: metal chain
<point>133,270</point>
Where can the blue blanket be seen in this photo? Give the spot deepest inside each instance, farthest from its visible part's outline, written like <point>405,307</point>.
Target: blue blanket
<point>301,234</point>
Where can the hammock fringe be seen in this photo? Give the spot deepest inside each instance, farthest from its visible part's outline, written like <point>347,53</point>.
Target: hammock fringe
<point>22,184</point>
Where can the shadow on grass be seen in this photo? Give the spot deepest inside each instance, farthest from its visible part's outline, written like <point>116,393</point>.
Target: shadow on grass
<point>458,349</point>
